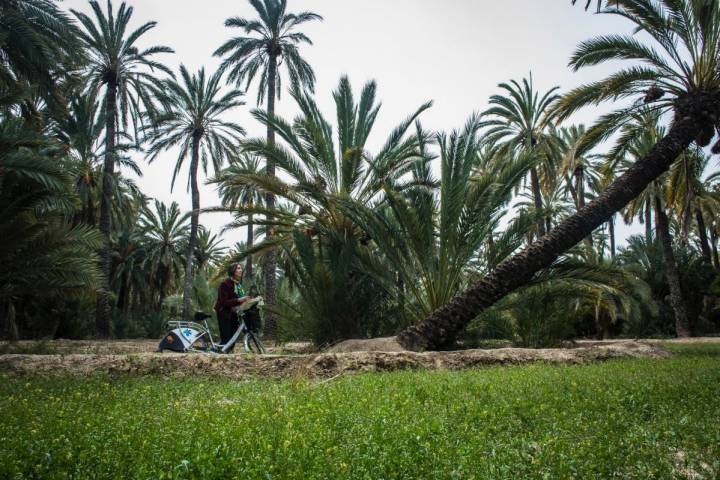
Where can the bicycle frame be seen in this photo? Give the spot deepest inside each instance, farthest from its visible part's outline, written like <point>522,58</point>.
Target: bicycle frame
<point>204,332</point>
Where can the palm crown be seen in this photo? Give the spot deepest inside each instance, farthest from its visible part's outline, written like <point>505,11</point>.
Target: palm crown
<point>193,109</point>
<point>38,45</point>
<point>684,62</point>
<point>271,37</point>
<point>116,61</point>
<point>519,122</point>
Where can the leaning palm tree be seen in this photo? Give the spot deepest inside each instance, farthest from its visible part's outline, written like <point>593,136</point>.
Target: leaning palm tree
<point>681,77</point>
<point>271,41</point>
<point>191,118</point>
<point>519,122</point>
<point>125,73</point>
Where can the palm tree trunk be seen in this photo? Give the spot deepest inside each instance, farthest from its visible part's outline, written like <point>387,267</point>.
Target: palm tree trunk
<point>194,220</point>
<point>648,223</point>
<point>537,199</point>
<point>164,274</point>
<point>611,231</point>
<point>580,188</point>
<point>270,260</point>
<point>123,294</point>
<point>714,251</point>
<point>439,330</point>
<point>702,233</point>
<point>102,310</point>
<point>8,322</point>
<point>249,244</point>
<point>677,301</point>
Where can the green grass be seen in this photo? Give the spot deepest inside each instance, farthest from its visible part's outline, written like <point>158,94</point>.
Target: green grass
<point>620,419</point>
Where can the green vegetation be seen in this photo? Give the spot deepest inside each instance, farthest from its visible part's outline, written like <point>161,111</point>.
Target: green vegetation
<point>503,228</point>
<point>629,418</point>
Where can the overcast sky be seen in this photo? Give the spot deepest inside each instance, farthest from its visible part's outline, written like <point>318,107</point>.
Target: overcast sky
<point>453,52</point>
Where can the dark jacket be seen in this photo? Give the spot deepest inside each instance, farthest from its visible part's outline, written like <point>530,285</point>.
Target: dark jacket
<point>227,298</point>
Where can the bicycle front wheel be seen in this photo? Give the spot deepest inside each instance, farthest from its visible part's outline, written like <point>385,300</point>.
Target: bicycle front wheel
<point>253,344</point>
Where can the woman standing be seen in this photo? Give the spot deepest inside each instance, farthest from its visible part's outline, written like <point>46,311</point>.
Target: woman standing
<point>230,295</point>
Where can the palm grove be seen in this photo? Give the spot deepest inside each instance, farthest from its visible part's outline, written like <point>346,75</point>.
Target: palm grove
<point>503,228</point>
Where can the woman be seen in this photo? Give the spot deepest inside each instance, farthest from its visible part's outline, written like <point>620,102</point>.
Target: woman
<point>230,295</point>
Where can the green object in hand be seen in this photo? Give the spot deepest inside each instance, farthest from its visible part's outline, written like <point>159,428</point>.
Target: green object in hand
<point>239,290</point>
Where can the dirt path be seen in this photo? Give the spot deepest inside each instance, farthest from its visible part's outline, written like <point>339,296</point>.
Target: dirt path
<point>141,362</point>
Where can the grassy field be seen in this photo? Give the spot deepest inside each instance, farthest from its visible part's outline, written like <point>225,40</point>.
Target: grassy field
<point>619,419</point>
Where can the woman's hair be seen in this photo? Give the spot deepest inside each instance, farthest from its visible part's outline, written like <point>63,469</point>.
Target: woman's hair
<point>231,269</point>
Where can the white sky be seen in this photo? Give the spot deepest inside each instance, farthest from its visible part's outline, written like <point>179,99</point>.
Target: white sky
<point>453,52</point>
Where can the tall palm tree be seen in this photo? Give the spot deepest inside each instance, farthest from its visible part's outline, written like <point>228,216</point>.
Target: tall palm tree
<point>636,139</point>
<point>81,134</point>
<point>682,77</point>
<point>519,122</point>
<point>234,193</point>
<point>271,41</point>
<point>191,118</point>
<point>125,72</point>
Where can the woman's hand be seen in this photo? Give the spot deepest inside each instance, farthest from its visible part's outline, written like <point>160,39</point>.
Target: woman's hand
<point>243,299</point>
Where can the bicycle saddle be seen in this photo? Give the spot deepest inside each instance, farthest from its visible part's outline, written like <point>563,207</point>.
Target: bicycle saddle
<point>200,316</point>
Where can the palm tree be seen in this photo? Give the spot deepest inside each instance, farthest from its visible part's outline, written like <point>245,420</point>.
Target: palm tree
<point>519,122</point>
<point>637,138</point>
<point>690,198</point>
<point>191,118</point>
<point>38,48</point>
<point>432,241</point>
<point>128,255</point>
<point>39,245</point>
<point>589,2</point>
<point>165,236</point>
<point>577,167</point>
<point>236,193</point>
<point>271,40</point>
<point>324,167</point>
<point>125,72</point>
<point>81,134</point>
<point>686,84</point>
<point>321,172</point>
<point>208,249</point>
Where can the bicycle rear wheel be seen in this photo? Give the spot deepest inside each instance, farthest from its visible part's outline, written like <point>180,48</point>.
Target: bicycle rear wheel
<point>253,344</point>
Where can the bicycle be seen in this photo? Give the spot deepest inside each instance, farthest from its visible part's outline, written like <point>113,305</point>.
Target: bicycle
<point>194,336</point>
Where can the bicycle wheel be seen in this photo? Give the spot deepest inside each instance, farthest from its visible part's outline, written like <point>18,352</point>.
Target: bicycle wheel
<point>253,344</point>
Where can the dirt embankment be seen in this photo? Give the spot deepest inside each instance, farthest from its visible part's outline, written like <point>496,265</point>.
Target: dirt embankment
<point>312,365</point>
